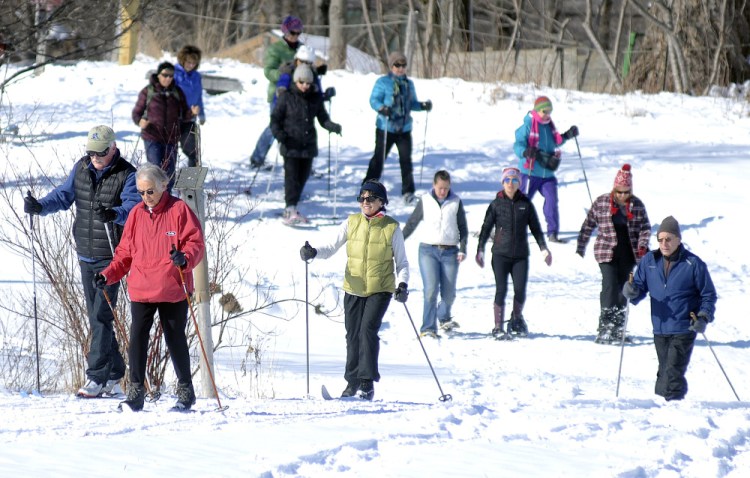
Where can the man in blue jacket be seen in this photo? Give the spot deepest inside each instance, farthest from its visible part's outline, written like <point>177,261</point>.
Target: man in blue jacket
<point>102,187</point>
<point>680,285</point>
<point>394,98</point>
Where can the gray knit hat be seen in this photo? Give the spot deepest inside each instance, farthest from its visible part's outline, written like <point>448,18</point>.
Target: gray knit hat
<point>303,73</point>
<point>396,57</point>
<point>670,225</point>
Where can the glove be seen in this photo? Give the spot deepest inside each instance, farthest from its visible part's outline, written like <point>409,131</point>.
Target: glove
<point>31,205</point>
<point>178,257</point>
<point>329,93</point>
<point>321,70</point>
<point>280,91</point>
<point>547,255</point>
<point>401,293</point>
<point>202,121</point>
<point>335,128</point>
<point>480,259</point>
<point>698,325</point>
<point>580,253</point>
<point>426,105</point>
<point>105,214</point>
<point>99,281</point>
<point>531,152</point>
<point>385,111</point>
<point>630,291</point>
<point>571,133</point>
<point>307,252</point>
<point>642,251</point>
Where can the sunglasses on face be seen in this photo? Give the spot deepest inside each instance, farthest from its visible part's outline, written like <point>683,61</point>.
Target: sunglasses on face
<point>166,75</point>
<point>511,180</point>
<point>399,65</point>
<point>148,192</point>
<point>295,34</point>
<point>99,154</point>
<point>367,199</point>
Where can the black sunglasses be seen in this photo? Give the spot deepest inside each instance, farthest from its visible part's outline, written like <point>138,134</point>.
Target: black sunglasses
<point>167,75</point>
<point>369,199</point>
<point>400,65</point>
<point>148,192</point>
<point>100,154</point>
<point>295,33</point>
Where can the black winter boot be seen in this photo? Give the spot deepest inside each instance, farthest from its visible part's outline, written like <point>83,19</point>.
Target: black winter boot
<point>351,389</point>
<point>185,397</point>
<point>136,397</point>
<point>366,389</point>
<point>618,326</point>
<point>517,325</point>
<point>499,331</point>
<point>604,335</point>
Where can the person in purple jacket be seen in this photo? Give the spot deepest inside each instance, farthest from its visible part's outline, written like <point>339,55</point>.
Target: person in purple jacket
<point>622,240</point>
<point>187,77</point>
<point>680,287</point>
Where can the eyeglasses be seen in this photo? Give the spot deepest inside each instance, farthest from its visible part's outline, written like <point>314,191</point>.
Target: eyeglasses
<point>147,192</point>
<point>99,154</point>
<point>166,75</point>
<point>296,34</point>
<point>368,199</point>
<point>400,65</point>
<point>511,180</point>
<point>623,193</point>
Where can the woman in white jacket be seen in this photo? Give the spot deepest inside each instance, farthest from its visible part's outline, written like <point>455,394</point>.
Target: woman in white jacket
<point>442,247</point>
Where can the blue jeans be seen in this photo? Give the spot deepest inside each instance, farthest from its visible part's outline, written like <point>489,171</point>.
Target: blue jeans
<point>439,269</point>
<point>263,145</point>
<point>164,156</point>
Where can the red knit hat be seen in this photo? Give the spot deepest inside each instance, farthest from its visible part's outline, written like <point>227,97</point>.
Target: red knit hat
<point>624,178</point>
<point>542,103</point>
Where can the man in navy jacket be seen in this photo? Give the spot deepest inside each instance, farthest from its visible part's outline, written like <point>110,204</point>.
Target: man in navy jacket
<point>679,285</point>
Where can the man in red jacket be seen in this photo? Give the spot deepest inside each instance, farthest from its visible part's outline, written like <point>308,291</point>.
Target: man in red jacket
<point>161,244</point>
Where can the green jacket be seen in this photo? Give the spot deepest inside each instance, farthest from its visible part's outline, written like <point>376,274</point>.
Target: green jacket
<point>276,55</point>
<point>369,267</point>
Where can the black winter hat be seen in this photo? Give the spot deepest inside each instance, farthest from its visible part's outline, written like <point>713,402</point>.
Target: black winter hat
<point>376,188</point>
<point>165,65</point>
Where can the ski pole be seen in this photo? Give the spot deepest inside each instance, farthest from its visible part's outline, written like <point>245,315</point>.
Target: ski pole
<point>200,339</point>
<point>330,108</point>
<point>694,318</point>
<point>622,343</point>
<point>33,280</point>
<point>444,397</point>
<point>307,323</point>
<point>583,169</point>
<point>424,147</point>
<point>385,141</point>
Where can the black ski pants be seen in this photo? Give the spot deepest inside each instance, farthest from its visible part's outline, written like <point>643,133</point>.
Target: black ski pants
<point>362,319</point>
<point>188,143</point>
<point>296,172</point>
<point>104,359</point>
<point>173,319</point>
<point>382,148</point>
<point>518,269</point>
<point>673,353</point>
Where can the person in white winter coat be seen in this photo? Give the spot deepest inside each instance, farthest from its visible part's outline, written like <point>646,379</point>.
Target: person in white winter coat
<point>442,247</point>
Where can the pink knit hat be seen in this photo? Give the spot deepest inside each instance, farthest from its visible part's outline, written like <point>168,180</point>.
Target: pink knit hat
<point>624,178</point>
<point>513,173</point>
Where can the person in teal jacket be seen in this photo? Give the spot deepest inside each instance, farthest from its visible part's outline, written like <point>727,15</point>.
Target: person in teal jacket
<point>394,98</point>
<point>680,287</point>
<point>538,149</point>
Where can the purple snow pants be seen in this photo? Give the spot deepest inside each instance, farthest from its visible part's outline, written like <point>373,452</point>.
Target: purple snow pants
<point>547,187</point>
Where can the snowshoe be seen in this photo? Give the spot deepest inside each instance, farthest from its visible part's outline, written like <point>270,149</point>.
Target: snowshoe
<point>449,325</point>
<point>366,390</point>
<point>517,325</point>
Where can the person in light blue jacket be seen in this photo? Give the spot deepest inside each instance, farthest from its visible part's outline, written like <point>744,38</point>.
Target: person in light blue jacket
<point>537,146</point>
<point>394,98</point>
<point>683,302</point>
<point>187,77</point>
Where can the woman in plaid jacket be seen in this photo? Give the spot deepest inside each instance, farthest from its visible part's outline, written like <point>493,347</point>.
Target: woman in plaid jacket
<point>624,230</point>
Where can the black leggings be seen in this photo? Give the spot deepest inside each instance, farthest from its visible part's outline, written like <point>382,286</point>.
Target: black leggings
<point>518,269</point>
<point>296,172</point>
<point>173,319</point>
<point>362,319</point>
<point>404,145</point>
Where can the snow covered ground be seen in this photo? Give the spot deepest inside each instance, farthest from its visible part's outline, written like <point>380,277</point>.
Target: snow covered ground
<point>542,406</point>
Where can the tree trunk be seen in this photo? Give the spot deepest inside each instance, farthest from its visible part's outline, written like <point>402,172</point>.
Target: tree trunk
<point>336,20</point>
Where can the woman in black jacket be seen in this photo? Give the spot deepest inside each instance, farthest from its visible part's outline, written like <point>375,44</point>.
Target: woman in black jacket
<point>511,213</point>
<point>293,126</point>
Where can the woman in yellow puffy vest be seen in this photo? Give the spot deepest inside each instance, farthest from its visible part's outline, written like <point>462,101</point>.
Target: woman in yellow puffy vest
<point>374,248</point>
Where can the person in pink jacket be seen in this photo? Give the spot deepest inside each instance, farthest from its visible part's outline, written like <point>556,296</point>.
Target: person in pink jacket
<point>161,237</point>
